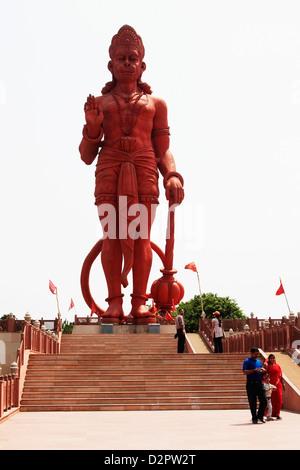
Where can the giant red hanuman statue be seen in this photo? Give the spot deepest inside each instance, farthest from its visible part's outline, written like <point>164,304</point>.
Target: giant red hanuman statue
<point>130,127</point>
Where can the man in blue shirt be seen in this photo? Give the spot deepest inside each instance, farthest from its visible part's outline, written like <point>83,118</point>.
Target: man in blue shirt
<point>254,371</point>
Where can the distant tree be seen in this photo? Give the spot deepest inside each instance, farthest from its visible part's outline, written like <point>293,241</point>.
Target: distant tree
<point>6,316</point>
<point>67,327</point>
<point>227,307</point>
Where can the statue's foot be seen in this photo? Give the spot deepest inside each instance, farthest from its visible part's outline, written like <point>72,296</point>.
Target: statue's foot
<point>141,311</point>
<point>113,312</point>
<point>115,309</point>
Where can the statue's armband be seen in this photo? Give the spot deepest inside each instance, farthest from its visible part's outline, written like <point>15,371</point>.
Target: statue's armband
<point>160,132</point>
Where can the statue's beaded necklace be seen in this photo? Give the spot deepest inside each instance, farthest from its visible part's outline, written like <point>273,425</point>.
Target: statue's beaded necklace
<point>134,111</point>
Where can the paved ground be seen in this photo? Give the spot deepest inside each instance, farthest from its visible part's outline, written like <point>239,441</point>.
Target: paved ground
<point>148,430</point>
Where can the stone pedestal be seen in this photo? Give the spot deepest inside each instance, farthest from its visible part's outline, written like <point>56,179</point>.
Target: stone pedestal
<point>122,329</point>
<point>110,320</point>
<point>107,328</point>
<point>145,321</point>
<point>154,328</point>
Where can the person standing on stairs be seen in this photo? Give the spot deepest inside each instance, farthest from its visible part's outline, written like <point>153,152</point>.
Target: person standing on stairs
<point>217,332</point>
<point>180,327</point>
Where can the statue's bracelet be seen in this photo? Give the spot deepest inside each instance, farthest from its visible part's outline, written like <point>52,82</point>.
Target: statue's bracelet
<point>169,174</point>
<point>97,140</point>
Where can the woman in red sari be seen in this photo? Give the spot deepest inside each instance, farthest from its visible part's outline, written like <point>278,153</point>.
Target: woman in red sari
<point>275,373</point>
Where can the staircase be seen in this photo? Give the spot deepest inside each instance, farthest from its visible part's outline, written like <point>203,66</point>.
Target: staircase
<point>131,372</point>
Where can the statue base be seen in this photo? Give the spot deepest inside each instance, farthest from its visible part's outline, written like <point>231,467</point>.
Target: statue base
<point>115,321</point>
<point>130,321</point>
<point>145,321</point>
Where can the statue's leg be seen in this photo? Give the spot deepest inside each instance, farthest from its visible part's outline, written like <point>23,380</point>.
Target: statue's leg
<point>142,265</point>
<point>111,258</point>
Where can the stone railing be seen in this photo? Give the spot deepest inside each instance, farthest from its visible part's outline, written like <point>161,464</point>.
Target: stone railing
<point>269,336</point>
<point>13,325</point>
<point>9,393</point>
<point>34,338</point>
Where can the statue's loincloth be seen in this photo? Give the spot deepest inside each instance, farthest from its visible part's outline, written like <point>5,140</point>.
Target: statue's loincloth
<point>119,173</point>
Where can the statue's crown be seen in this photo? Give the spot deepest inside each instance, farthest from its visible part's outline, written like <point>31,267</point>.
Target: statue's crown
<point>127,36</point>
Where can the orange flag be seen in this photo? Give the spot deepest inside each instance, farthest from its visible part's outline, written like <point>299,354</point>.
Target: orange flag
<point>280,290</point>
<point>169,317</point>
<point>191,266</point>
<point>52,287</point>
<point>153,309</point>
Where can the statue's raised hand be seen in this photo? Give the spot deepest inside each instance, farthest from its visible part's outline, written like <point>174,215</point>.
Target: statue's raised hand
<point>93,116</point>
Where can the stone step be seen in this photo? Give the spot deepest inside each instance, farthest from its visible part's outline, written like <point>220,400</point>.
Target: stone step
<point>149,344</point>
<point>87,395</point>
<point>149,387</point>
<point>117,337</point>
<point>138,339</point>
<point>131,400</point>
<point>135,344</point>
<point>133,407</point>
<point>151,358</point>
<point>114,343</point>
<point>131,372</point>
<point>127,367</point>
<point>122,349</point>
<point>129,342</point>
<point>133,382</point>
<point>85,374</point>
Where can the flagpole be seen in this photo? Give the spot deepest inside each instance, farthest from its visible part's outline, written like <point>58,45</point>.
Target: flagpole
<point>59,315</point>
<point>203,314</point>
<point>285,297</point>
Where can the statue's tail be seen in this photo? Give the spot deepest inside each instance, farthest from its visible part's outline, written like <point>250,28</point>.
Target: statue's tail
<point>127,192</point>
<point>127,247</point>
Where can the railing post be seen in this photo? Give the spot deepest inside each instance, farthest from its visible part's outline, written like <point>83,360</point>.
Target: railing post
<point>16,391</point>
<point>288,336</point>
<point>10,391</point>
<point>1,395</point>
<point>247,341</point>
<point>243,342</point>
<point>5,393</point>
<point>277,338</point>
<point>234,343</point>
<point>14,369</point>
<point>262,338</point>
<point>11,324</point>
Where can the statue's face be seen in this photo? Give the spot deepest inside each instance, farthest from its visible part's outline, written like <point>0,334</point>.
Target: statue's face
<point>126,64</point>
